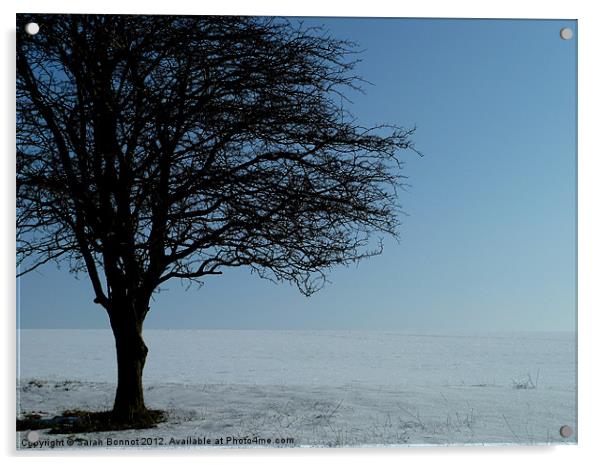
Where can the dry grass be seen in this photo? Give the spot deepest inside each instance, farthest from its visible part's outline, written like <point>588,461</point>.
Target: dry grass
<point>80,421</point>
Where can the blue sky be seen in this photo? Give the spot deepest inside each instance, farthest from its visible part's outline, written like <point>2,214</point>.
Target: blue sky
<point>489,241</point>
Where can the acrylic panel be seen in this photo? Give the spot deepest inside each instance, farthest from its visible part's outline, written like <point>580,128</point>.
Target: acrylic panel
<point>295,232</point>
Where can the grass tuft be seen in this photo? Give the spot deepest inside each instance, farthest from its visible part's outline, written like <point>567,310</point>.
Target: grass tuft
<point>80,421</point>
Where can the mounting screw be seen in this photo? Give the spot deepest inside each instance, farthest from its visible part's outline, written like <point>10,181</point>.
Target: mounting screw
<point>566,33</point>
<point>32,28</point>
<point>566,431</point>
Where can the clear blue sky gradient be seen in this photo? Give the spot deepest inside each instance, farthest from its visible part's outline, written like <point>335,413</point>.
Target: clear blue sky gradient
<point>489,242</point>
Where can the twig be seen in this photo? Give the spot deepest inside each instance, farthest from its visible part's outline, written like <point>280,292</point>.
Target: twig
<point>510,428</point>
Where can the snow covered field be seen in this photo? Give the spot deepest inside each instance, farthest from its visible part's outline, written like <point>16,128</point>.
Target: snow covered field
<point>312,388</point>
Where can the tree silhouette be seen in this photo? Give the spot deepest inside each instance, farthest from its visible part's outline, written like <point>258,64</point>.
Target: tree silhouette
<point>160,147</point>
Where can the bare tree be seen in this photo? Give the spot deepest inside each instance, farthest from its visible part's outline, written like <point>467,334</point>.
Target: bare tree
<point>160,147</point>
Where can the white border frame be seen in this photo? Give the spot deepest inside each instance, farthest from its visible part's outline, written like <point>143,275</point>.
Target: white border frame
<point>590,212</point>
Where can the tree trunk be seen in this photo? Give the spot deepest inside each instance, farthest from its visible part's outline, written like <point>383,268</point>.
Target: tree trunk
<point>129,407</point>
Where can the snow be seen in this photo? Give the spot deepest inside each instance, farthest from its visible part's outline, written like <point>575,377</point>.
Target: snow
<point>320,388</point>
